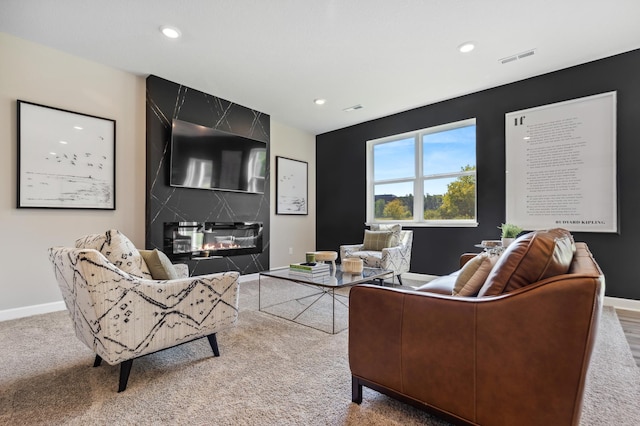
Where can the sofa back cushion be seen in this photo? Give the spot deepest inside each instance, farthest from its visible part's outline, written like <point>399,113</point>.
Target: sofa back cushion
<point>530,258</point>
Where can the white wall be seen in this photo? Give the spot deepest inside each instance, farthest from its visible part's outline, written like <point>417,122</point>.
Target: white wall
<point>38,74</point>
<point>292,232</point>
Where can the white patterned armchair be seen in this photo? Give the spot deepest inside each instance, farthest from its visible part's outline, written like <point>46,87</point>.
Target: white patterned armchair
<point>121,316</point>
<point>396,258</point>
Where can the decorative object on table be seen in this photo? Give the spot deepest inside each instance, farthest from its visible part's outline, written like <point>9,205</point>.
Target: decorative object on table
<point>491,246</point>
<point>327,256</point>
<point>310,256</point>
<point>352,265</point>
<point>509,233</point>
<point>291,186</point>
<point>65,159</point>
<point>310,269</point>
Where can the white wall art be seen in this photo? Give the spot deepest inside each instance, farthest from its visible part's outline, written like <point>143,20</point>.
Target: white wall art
<point>65,159</point>
<point>561,165</point>
<point>291,186</point>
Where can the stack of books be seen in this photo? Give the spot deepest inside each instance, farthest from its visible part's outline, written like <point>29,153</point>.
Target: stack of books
<point>310,270</point>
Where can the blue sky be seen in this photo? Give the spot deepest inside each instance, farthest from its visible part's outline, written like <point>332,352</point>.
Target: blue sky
<point>443,152</point>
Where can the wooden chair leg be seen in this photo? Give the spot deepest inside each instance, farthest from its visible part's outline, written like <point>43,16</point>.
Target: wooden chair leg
<point>214,344</point>
<point>125,369</point>
<point>356,390</point>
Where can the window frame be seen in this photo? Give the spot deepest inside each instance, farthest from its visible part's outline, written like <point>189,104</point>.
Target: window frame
<point>419,177</point>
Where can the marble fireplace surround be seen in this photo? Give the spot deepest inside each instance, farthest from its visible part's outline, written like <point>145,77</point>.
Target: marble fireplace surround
<point>167,100</point>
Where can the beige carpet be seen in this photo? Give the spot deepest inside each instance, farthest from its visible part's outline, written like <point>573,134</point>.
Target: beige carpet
<point>270,372</point>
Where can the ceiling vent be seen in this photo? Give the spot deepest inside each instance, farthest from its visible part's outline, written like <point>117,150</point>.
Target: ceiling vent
<point>353,108</point>
<point>517,56</point>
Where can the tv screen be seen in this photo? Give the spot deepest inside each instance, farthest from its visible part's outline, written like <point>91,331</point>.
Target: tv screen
<point>206,158</point>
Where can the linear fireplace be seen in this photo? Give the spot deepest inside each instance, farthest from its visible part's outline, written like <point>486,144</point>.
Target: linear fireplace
<point>203,239</point>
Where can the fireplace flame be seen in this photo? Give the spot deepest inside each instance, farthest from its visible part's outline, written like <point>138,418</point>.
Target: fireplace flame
<point>223,245</point>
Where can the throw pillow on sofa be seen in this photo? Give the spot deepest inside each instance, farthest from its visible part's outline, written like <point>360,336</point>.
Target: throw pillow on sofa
<point>473,275</point>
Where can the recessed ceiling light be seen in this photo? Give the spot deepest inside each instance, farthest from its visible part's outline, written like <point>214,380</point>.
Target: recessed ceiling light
<point>319,101</point>
<point>77,127</point>
<point>170,32</point>
<point>466,47</point>
<point>64,142</point>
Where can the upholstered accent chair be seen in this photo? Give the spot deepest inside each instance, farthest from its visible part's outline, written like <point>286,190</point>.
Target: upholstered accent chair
<point>121,312</point>
<point>379,250</point>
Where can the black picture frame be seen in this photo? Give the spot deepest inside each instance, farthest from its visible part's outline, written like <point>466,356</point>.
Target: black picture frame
<point>66,159</point>
<point>292,181</point>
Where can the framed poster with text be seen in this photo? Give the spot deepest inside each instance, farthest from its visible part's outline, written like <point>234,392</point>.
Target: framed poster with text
<point>561,165</point>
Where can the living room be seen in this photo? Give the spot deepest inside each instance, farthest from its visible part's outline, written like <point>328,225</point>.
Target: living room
<point>48,76</point>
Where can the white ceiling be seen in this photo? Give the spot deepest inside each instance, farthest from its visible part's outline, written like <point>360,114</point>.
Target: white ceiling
<point>277,56</point>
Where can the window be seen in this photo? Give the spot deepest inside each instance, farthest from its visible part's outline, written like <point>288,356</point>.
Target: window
<point>438,162</point>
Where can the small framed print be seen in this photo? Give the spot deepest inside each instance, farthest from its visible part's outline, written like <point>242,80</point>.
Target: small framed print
<point>291,186</point>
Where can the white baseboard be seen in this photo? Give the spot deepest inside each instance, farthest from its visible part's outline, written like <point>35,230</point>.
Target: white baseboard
<point>619,303</point>
<point>27,311</point>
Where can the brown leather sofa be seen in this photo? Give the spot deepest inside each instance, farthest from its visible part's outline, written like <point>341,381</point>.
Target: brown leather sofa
<point>518,356</point>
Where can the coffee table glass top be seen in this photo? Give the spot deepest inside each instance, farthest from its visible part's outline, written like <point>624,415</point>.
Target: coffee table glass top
<point>337,279</point>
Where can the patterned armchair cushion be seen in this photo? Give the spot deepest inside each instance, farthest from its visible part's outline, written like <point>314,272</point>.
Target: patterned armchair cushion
<point>159,265</point>
<point>120,251</point>
<point>370,259</point>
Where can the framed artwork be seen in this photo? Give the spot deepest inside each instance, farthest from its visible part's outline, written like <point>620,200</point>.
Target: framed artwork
<point>291,186</point>
<point>66,159</point>
<point>561,165</point>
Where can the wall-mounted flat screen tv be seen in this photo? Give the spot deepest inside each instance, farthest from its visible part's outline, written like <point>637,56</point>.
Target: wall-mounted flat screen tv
<point>206,158</point>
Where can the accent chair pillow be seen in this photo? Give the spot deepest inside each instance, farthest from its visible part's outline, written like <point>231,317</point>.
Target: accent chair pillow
<point>119,250</point>
<point>377,240</point>
<point>473,275</point>
<point>396,229</point>
<point>159,265</point>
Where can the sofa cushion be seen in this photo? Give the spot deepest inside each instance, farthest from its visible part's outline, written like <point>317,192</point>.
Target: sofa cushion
<point>396,229</point>
<point>119,250</point>
<point>377,240</point>
<point>440,285</point>
<point>530,258</point>
<point>473,275</point>
<point>159,265</point>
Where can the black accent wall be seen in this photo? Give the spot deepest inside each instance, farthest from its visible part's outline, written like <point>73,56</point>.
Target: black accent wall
<point>165,101</point>
<point>341,166</point>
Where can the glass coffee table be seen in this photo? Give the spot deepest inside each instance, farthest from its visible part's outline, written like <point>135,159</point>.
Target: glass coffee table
<point>321,303</point>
